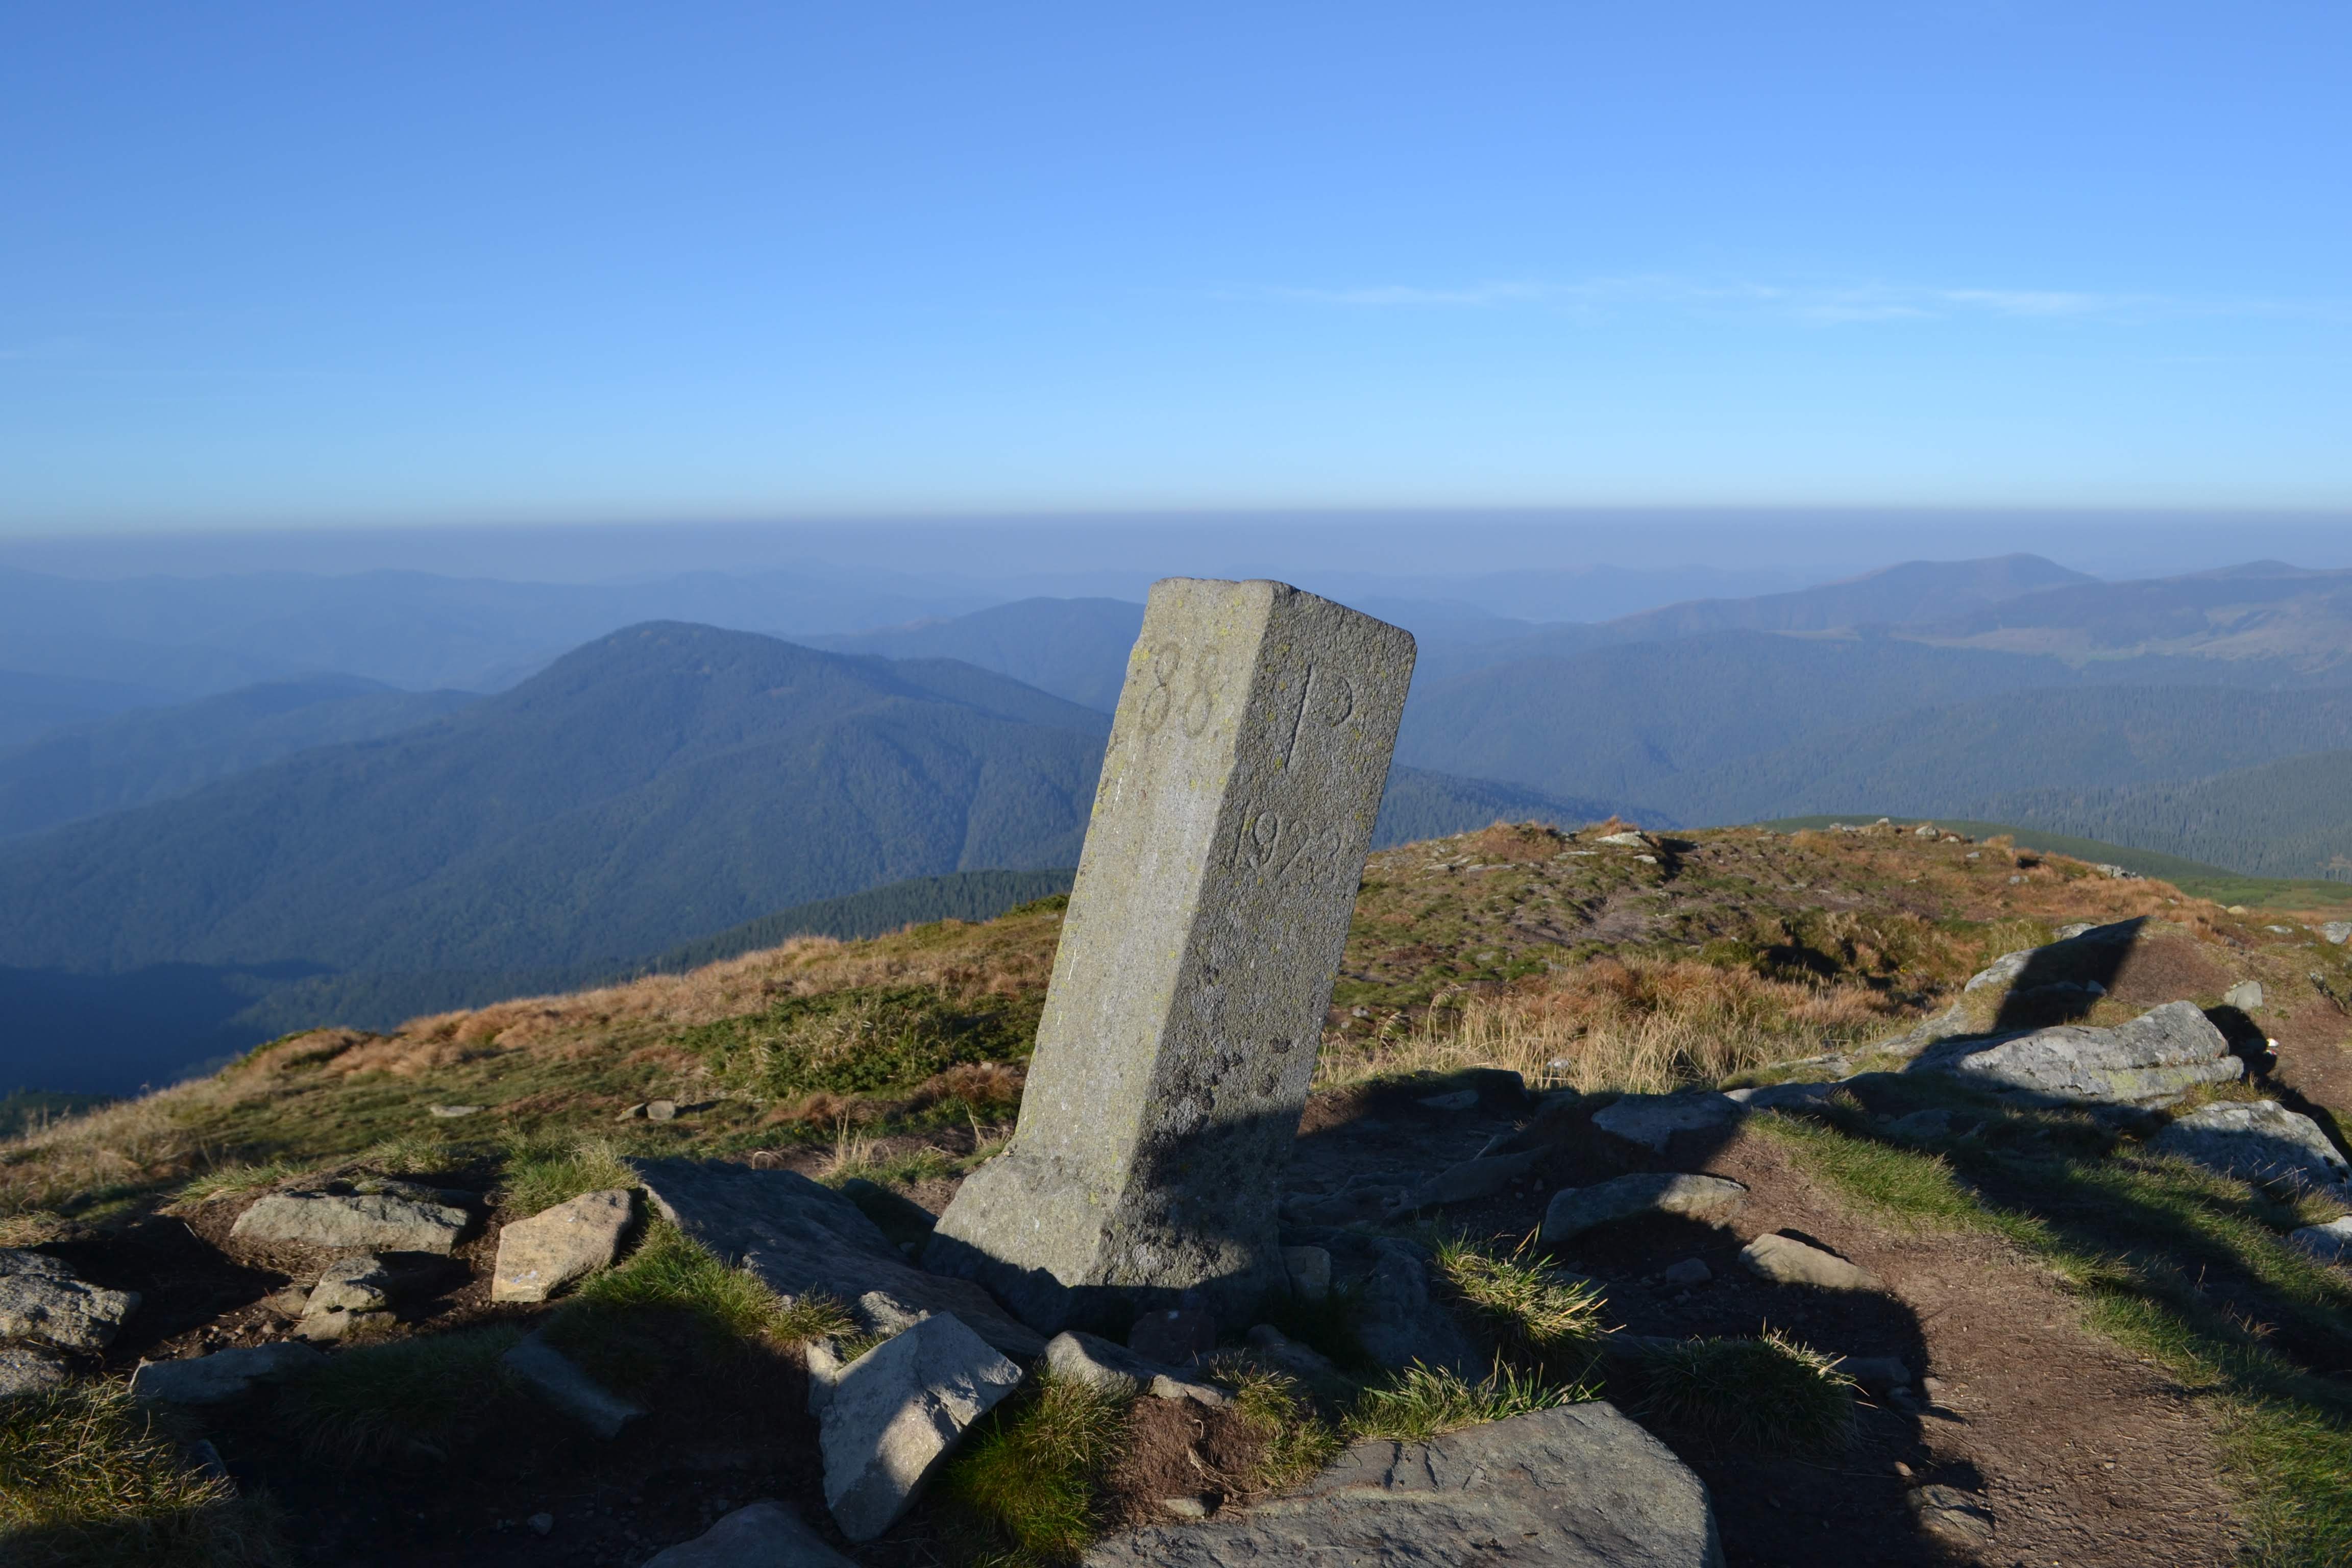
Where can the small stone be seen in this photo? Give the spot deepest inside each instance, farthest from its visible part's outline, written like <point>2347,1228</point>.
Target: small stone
<point>1474,1179</point>
<point>538,1256</point>
<point>2339,933</point>
<point>288,1301</point>
<point>541,1524</point>
<point>896,1413</point>
<point>42,1299</point>
<point>1689,1272</point>
<point>661,1110</point>
<point>1877,1375</point>
<point>451,1112</point>
<point>373,1222</point>
<point>1112,1369</point>
<point>1962,1519</point>
<point>1174,1336</point>
<point>1185,1506</point>
<point>361,1284</point>
<point>29,1369</point>
<point>1653,1119</point>
<point>1710,1199</point>
<point>633,1113</point>
<point>1310,1269</point>
<point>557,1379</point>
<point>222,1376</point>
<point>1785,1095</point>
<point>1460,1099</point>
<point>764,1535</point>
<point>1785,1261</point>
<point>2246,996</point>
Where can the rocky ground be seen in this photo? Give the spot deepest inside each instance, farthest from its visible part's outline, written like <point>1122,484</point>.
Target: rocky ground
<point>2059,1244</point>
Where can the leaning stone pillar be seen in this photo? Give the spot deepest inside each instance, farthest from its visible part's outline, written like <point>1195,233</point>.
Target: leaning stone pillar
<point>1246,764</point>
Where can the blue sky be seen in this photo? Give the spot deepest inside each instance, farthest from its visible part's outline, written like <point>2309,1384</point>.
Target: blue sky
<point>439,263</point>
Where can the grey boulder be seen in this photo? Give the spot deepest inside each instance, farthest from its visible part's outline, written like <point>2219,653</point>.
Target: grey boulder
<point>1709,1200</point>
<point>30,1368</point>
<point>1474,1179</point>
<point>350,1222</point>
<point>222,1376</point>
<point>2337,931</point>
<point>2152,1061</point>
<point>799,1238</point>
<point>2330,1243</point>
<point>2258,1140</point>
<point>899,1410</point>
<point>538,1256</point>
<point>1399,1320</point>
<point>757,1535</point>
<point>1652,1121</point>
<point>1576,1486</point>
<point>1785,1261</point>
<point>42,1299</point>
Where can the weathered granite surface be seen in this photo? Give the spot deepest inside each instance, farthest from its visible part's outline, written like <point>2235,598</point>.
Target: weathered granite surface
<point>538,1256</point>
<point>1244,770</point>
<point>896,1412</point>
<point>1578,1486</point>
<point>223,1374</point>
<point>42,1299</point>
<point>2258,1140</point>
<point>1709,1200</point>
<point>363,1222</point>
<point>2152,1061</point>
<point>800,1236</point>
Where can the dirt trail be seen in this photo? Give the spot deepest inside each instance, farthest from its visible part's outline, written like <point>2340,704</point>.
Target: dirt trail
<point>2088,1457</point>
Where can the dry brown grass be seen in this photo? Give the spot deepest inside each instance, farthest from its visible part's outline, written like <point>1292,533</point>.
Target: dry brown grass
<point>1632,1025</point>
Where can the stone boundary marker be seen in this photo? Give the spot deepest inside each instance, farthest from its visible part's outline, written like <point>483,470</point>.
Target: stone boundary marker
<point>1246,768</point>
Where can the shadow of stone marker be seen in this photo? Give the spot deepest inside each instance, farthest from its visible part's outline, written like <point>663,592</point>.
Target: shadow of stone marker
<point>1245,766</point>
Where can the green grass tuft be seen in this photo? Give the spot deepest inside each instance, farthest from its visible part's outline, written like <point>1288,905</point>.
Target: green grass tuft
<point>1545,1321</point>
<point>1419,1403</point>
<point>229,1181</point>
<point>542,1169</point>
<point>862,1040</point>
<point>426,1396</point>
<point>673,1303</point>
<point>88,1478</point>
<point>1767,1394</point>
<point>1028,1476</point>
<point>1296,1440</point>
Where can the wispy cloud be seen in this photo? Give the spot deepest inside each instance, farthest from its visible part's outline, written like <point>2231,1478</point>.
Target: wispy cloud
<point>1823,304</point>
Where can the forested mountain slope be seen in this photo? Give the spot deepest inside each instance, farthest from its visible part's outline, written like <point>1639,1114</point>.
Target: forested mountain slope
<point>154,753</point>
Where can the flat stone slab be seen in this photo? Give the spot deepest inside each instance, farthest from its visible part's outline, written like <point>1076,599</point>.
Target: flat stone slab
<point>896,1411</point>
<point>2152,1061</point>
<point>42,1299</point>
<point>1709,1200</point>
<point>538,1256</point>
<point>764,1535</point>
<point>351,1222</point>
<point>1785,1261</point>
<point>2257,1140</point>
<point>799,1237</point>
<point>30,1368</point>
<point>222,1376</point>
<point>1577,1487</point>
<point>1115,1370</point>
<point>1650,1121</point>
<point>562,1383</point>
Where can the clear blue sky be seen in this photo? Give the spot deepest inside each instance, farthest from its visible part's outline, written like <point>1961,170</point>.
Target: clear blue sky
<point>442,262</point>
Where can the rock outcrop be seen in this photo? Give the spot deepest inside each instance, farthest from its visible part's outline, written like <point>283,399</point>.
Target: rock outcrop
<point>2152,1061</point>
<point>1785,1261</point>
<point>43,1300</point>
<point>1578,1486</point>
<point>2258,1140</point>
<point>222,1376</point>
<point>1710,1199</point>
<point>351,1222</point>
<point>799,1237</point>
